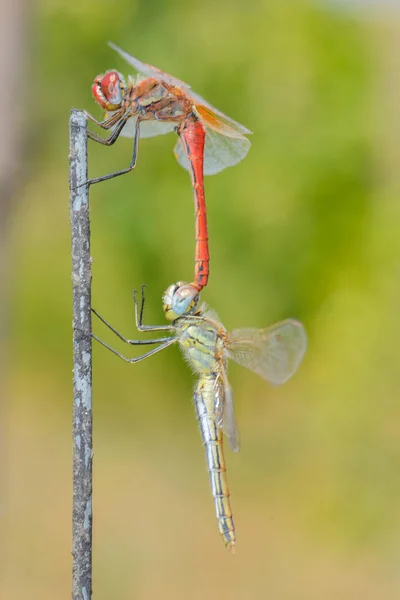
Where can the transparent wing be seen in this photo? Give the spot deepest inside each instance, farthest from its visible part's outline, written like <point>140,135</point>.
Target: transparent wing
<point>275,353</point>
<point>147,128</point>
<point>220,152</point>
<point>151,128</point>
<point>203,107</point>
<point>149,70</point>
<point>224,411</point>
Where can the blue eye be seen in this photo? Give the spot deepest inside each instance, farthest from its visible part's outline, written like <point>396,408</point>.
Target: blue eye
<point>185,299</point>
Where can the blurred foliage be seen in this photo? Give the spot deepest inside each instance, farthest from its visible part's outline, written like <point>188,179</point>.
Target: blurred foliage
<point>306,226</point>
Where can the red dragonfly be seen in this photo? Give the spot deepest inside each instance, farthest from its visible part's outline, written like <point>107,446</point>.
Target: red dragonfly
<point>156,103</point>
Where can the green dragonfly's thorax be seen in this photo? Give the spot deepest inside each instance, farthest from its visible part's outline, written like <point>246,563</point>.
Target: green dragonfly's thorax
<point>201,339</point>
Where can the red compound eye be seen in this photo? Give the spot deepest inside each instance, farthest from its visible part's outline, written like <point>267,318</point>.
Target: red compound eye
<point>108,90</point>
<point>98,94</point>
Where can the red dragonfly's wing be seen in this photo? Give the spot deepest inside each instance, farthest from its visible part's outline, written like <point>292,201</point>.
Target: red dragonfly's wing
<point>147,128</point>
<point>275,353</point>
<point>226,144</point>
<point>216,119</point>
<point>205,110</point>
<point>220,151</point>
<point>149,70</point>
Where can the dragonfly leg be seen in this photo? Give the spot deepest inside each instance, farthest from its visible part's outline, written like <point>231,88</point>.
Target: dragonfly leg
<point>107,123</point>
<point>109,141</point>
<point>139,315</point>
<point>111,138</point>
<point>126,340</point>
<point>167,343</point>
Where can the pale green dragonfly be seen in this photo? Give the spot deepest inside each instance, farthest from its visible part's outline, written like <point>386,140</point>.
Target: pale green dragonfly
<point>275,353</point>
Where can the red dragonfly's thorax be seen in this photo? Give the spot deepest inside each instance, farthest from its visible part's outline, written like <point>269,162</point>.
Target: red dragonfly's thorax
<point>153,99</point>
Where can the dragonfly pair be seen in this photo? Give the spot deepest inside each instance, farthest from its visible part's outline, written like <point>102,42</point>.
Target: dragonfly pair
<point>157,103</point>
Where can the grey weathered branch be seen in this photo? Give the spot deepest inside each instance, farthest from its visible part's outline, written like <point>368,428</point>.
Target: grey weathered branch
<point>82,348</point>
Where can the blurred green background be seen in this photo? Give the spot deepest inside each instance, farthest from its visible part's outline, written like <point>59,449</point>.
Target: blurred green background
<point>306,226</point>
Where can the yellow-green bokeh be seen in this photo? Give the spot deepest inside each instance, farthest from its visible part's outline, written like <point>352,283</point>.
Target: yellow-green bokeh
<point>306,226</point>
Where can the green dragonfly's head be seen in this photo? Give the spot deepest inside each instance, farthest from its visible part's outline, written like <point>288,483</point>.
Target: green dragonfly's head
<point>180,299</point>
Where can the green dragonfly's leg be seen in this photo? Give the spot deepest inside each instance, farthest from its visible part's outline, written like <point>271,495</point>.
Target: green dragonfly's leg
<point>128,341</point>
<point>169,342</point>
<point>139,316</point>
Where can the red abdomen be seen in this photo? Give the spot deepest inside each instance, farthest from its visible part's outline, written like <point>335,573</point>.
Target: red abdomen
<point>192,135</point>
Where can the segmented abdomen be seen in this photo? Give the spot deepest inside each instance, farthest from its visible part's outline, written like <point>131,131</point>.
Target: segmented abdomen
<point>192,135</point>
<point>205,397</point>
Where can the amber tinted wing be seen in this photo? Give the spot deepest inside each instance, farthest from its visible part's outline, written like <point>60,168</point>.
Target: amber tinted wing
<point>215,119</point>
<point>204,108</point>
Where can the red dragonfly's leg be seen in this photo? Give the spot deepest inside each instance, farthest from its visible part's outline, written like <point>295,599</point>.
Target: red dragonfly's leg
<point>111,138</point>
<point>192,136</point>
<point>110,141</point>
<point>107,123</point>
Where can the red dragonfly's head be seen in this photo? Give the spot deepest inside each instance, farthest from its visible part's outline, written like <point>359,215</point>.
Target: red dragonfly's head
<point>108,90</point>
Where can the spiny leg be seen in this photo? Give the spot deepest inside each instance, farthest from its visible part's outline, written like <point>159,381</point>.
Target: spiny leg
<point>109,122</point>
<point>113,137</point>
<point>126,340</point>
<point>139,323</point>
<point>164,342</point>
<point>167,343</point>
<point>139,315</point>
